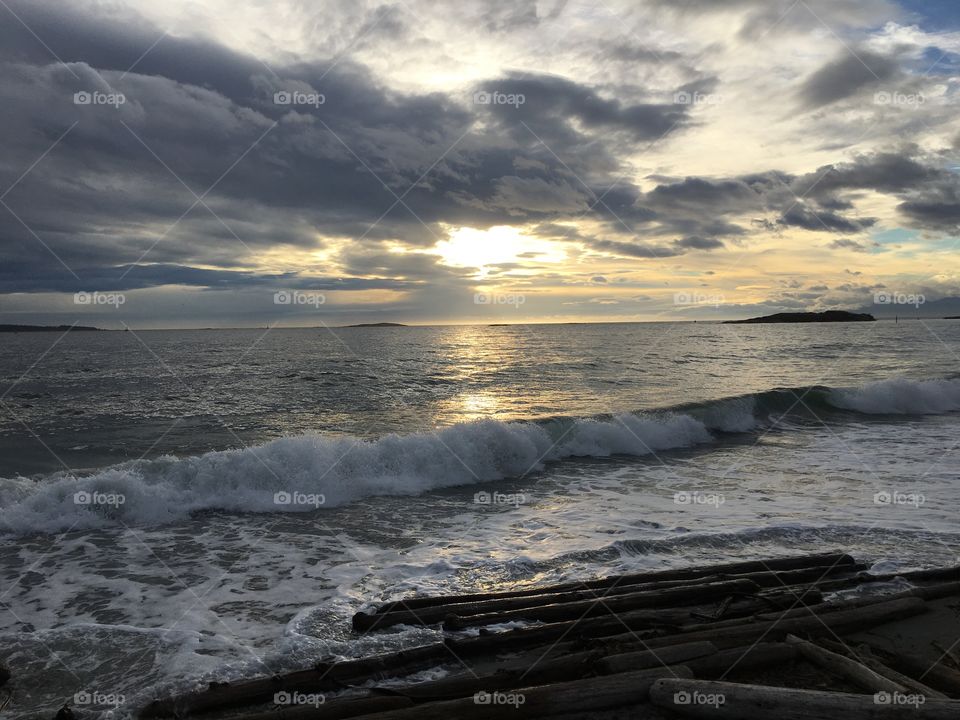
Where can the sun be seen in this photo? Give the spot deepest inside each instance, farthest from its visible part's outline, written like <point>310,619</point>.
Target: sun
<point>470,247</point>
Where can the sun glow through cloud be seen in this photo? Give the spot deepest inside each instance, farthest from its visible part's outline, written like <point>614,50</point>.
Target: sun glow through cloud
<point>470,247</point>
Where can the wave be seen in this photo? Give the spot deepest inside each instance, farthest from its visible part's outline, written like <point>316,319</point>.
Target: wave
<point>305,473</point>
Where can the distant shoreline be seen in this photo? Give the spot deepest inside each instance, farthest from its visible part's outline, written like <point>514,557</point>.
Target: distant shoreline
<point>48,328</point>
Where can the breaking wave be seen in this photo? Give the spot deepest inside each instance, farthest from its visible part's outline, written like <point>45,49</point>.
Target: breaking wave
<point>305,473</point>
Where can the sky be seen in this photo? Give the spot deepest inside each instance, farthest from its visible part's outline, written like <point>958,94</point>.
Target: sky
<point>296,163</point>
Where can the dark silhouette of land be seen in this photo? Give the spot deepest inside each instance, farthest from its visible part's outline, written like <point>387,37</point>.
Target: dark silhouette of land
<point>808,317</point>
<point>47,328</point>
<point>380,324</point>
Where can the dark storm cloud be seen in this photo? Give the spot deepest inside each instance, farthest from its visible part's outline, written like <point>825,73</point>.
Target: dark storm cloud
<point>802,216</point>
<point>847,75</point>
<point>24,277</point>
<point>553,107</point>
<point>201,121</point>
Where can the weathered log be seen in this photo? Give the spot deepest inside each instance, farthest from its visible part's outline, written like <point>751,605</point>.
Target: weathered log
<point>866,656</point>
<point>568,698</point>
<point>795,562</point>
<point>672,597</point>
<point>839,621</point>
<point>929,672</point>
<point>711,699</point>
<point>666,621</point>
<point>333,710</point>
<point>857,673</point>
<point>401,614</point>
<point>756,655</point>
<point>662,657</point>
<point>436,613</point>
<point>539,672</point>
<point>323,676</point>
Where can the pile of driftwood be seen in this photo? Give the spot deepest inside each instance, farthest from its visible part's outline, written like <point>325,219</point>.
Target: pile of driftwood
<point>757,639</point>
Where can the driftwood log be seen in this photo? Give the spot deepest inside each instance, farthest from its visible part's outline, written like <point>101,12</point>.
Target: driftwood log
<point>854,671</point>
<point>724,700</point>
<point>771,564</point>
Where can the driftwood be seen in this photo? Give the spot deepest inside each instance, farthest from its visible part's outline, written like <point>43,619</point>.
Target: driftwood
<point>930,672</point>
<point>662,657</point>
<point>324,676</point>
<point>857,673</point>
<point>703,621</point>
<point>671,597</point>
<point>436,613</point>
<point>333,710</point>
<point>749,566</point>
<point>724,700</point>
<point>839,621</point>
<point>569,698</point>
<point>401,614</point>
<point>751,657</point>
<point>665,621</point>
<point>865,655</point>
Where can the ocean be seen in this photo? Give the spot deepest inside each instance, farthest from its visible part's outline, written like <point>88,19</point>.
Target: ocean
<point>185,506</point>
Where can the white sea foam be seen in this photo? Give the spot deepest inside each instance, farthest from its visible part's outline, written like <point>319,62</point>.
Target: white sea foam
<point>900,396</point>
<point>313,471</point>
<point>327,471</point>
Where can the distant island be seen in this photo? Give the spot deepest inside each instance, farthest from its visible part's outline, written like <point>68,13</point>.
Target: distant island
<point>47,328</point>
<point>807,317</point>
<point>383,324</point>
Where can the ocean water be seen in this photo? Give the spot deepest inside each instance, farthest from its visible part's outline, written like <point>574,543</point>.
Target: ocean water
<point>185,506</point>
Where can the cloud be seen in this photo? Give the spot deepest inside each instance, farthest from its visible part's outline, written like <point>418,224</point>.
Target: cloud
<point>847,75</point>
